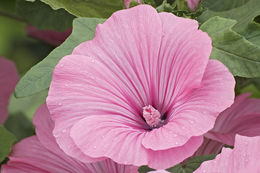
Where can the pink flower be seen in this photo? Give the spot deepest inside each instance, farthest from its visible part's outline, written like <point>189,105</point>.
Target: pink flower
<point>127,2</point>
<point>142,92</point>
<point>243,158</point>
<point>243,118</point>
<point>48,36</point>
<point>41,154</point>
<point>193,4</point>
<point>8,80</point>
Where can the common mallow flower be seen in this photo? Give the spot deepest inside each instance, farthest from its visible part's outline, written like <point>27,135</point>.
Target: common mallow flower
<point>8,80</point>
<point>243,158</point>
<point>193,4</point>
<point>41,154</point>
<point>127,2</point>
<point>142,92</point>
<point>242,118</point>
<point>48,36</point>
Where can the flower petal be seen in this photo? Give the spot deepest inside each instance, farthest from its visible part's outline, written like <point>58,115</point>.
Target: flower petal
<point>196,114</point>
<point>131,54</point>
<point>208,147</point>
<point>243,118</point>
<point>8,80</point>
<point>31,156</point>
<point>48,36</point>
<point>244,155</point>
<point>193,4</point>
<point>127,2</point>
<point>107,135</point>
<point>44,127</point>
<point>184,55</point>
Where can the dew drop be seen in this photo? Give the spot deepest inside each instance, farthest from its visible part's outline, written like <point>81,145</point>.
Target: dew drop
<point>64,130</point>
<point>61,65</point>
<point>95,147</point>
<point>59,104</point>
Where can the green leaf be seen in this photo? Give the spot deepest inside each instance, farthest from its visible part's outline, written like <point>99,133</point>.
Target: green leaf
<point>195,162</point>
<point>144,169</point>
<point>20,130</point>
<point>252,89</point>
<point>6,141</point>
<point>7,6</point>
<point>191,165</point>
<point>87,8</point>
<point>223,5</point>
<point>27,105</point>
<point>38,78</point>
<point>43,16</point>
<point>243,11</point>
<point>252,33</point>
<point>232,49</point>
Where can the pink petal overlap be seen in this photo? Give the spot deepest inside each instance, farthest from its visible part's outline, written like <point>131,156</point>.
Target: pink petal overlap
<point>108,127</point>
<point>98,93</point>
<point>44,127</point>
<point>243,158</point>
<point>30,156</point>
<point>243,118</point>
<point>41,154</point>
<point>193,4</point>
<point>8,80</point>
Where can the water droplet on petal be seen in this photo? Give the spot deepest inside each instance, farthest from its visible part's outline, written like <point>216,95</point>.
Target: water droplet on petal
<point>59,104</point>
<point>64,130</point>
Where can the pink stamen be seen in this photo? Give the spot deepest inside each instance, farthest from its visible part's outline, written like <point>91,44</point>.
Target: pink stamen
<point>152,116</point>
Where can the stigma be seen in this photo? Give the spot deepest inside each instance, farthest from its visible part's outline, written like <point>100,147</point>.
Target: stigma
<point>152,117</point>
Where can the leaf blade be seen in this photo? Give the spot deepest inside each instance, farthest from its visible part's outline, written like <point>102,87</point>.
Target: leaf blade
<point>38,78</point>
<point>6,141</point>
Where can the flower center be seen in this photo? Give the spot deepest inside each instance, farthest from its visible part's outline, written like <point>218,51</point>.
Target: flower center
<point>152,117</point>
